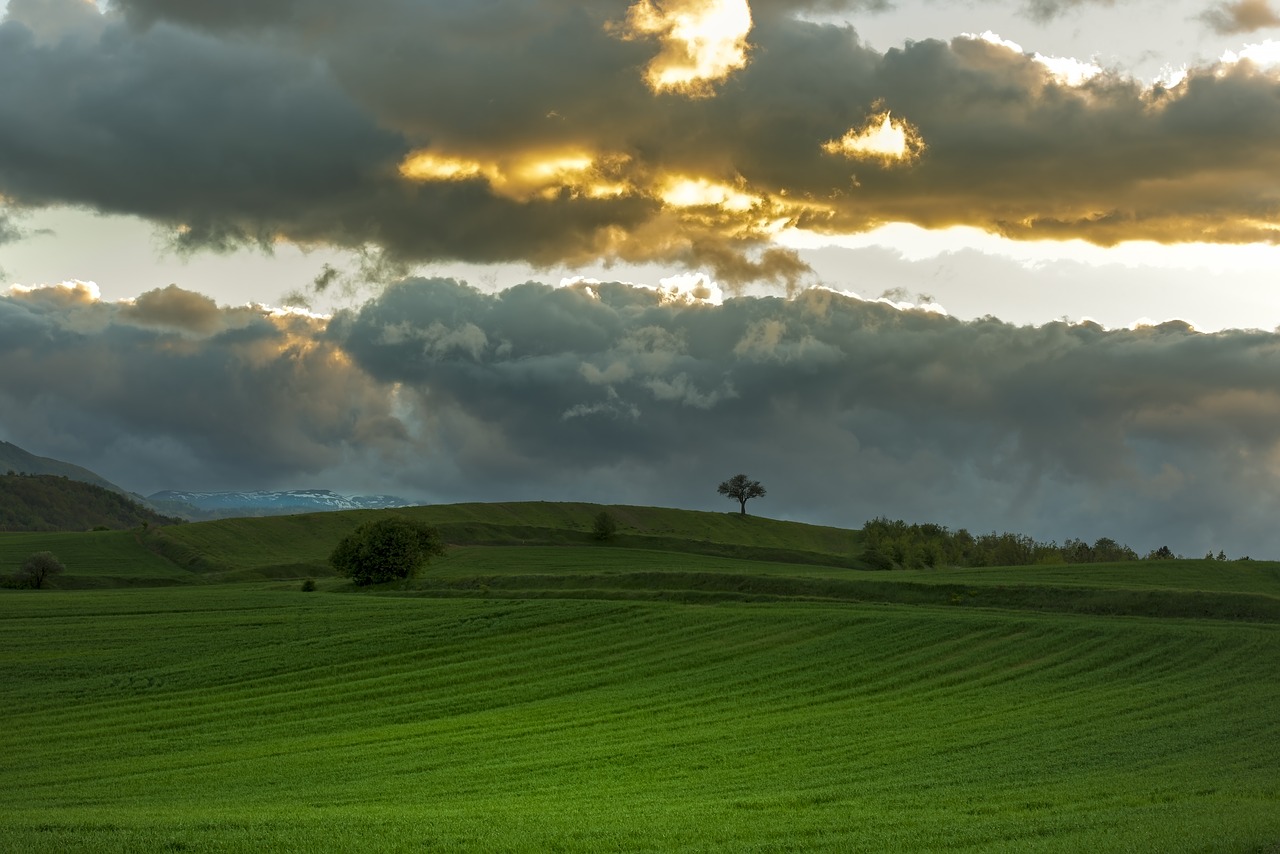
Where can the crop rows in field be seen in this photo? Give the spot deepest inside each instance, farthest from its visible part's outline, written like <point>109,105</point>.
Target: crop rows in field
<point>237,717</point>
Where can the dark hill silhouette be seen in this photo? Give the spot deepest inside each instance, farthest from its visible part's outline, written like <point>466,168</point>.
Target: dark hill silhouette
<point>15,459</point>
<point>42,502</point>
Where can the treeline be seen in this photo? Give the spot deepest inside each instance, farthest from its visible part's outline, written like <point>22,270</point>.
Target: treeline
<point>44,502</point>
<point>893,544</point>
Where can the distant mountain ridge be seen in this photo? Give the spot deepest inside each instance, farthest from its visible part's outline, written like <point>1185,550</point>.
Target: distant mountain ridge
<point>264,503</point>
<point>15,459</point>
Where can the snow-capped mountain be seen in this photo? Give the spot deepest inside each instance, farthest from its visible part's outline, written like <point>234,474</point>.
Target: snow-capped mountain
<point>271,503</point>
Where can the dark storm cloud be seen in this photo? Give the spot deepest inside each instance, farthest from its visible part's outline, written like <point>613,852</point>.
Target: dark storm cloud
<point>231,140</point>
<point>1245,16</point>
<point>845,409</point>
<point>171,386</point>
<point>537,139</point>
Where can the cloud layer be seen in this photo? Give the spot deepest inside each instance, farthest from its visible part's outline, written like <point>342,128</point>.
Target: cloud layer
<point>845,409</point>
<point>1245,16</point>
<point>543,131</point>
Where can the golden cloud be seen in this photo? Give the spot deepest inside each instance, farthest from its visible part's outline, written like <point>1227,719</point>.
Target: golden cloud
<point>686,192</point>
<point>703,42</point>
<point>525,175</point>
<point>883,139</point>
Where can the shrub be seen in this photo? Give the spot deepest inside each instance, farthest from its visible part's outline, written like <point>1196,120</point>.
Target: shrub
<point>308,585</point>
<point>385,550</point>
<point>604,526</point>
<point>875,559</point>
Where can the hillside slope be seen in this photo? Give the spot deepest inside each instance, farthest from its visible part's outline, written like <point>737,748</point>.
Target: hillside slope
<point>546,550</point>
<point>15,459</point>
<point>94,559</point>
<point>36,502</point>
<point>305,541</point>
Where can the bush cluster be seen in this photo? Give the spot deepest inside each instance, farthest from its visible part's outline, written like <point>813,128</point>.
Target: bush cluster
<point>386,550</point>
<point>894,543</point>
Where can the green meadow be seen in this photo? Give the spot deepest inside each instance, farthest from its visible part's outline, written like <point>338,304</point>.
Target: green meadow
<point>536,691</point>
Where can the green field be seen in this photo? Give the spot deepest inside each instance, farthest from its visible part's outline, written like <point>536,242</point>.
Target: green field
<point>596,698</point>
<point>94,559</point>
<point>302,543</point>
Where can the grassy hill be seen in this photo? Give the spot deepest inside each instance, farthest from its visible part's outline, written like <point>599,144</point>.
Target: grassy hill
<point>537,690</point>
<point>58,503</point>
<point>303,543</point>
<point>546,550</point>
<point>94,559</point>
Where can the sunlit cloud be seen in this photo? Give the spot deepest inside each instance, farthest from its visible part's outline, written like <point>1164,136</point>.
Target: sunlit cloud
<point>523,175</point>
<point>1064,69</point>
<point>994,38</point>
<point>70,291</point>
<point>1170,76</point>
<point>682,192</point>
<point>430,166</point>
<point>703,42</point>
<point>690,289</point>
<point>563,156</point>
<point>694,288</point>
<point>1264,54</point>
<point>883,138</point>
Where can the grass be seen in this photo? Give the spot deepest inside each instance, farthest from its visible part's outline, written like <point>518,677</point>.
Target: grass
<point>241,717</point>
<point>1251,576</point>
<point>93,559</point>
<point>617,573</point>
<point>576,697</point>
<point>304,542</point>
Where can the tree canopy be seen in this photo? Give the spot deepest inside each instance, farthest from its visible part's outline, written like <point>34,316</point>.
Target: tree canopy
<point>741,489</point>
<point>43,502</point>
<point>892,542</point>
<point>604,526</point>
<point>385,550</point>
<point>39,568</point>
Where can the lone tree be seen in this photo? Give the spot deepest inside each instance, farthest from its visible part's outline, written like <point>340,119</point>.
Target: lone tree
<point>385,550</point>
<point>604,526</point>
<point>742,490</point>
<point>39,568</point>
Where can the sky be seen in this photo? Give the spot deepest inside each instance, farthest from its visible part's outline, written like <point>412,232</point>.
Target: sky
<point>997,265</point>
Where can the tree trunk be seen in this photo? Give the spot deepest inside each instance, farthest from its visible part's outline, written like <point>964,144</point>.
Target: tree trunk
<point>743,502</point>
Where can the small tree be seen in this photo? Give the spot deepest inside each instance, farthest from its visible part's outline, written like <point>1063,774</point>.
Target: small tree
<point>604,526</point>
<point>39,568</point>
<point>742,490</point>
<point>385,550</point>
